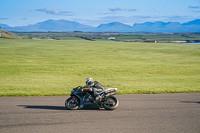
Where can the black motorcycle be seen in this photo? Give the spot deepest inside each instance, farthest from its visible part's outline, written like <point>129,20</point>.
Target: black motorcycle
<point>80,97</point>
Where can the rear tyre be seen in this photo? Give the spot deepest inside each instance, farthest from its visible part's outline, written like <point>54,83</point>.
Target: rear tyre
<point>111,103</point>
<point>72,103</point>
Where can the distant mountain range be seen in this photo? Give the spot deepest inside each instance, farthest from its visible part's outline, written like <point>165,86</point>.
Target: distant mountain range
<point>70,26</point>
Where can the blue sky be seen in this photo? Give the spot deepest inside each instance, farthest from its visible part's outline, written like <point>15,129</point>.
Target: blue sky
<point>95,12</point>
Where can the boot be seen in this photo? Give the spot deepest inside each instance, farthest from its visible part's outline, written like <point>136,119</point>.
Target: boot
<point>97,98</point>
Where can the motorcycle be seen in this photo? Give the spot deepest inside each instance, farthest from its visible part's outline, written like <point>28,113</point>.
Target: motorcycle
<point>81,97</point>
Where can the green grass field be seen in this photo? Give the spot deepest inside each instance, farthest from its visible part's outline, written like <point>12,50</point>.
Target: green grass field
<point>54,67</point>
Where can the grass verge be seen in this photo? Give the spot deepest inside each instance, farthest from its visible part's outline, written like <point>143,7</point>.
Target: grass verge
<point>54,67</point>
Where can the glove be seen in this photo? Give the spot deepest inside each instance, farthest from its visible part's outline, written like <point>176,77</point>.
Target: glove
<point>90,89</point>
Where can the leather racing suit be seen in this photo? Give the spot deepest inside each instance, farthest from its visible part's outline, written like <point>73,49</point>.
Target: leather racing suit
<point>95,87</point>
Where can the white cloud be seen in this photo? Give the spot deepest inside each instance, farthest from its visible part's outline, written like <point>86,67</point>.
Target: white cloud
<point>194,8</point>
<point>55,11</point>
<point>131,10</point>
<point>117,9</point>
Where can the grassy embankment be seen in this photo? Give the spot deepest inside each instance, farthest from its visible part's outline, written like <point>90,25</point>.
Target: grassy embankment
<point>9,35</point>
<point>54,67</point>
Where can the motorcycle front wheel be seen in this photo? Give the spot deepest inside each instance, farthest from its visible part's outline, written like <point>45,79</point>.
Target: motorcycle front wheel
<point>111,103</point>
<point>72,103</point>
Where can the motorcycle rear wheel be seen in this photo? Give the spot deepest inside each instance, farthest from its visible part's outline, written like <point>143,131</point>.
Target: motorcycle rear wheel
<point>72,104</point>
<point>111,103</point>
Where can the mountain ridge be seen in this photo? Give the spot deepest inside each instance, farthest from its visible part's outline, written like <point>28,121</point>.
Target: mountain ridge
<point>114,27</point>
<point>70,26</point>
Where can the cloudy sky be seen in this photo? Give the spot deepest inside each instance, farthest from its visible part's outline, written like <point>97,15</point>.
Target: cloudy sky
<point>95,12</point>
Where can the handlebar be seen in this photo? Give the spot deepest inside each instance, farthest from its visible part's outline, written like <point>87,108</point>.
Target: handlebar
<point>79,87</point>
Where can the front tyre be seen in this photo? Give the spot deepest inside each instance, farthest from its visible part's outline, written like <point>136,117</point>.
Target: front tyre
<point>72,103</point>
<point>111,103</point>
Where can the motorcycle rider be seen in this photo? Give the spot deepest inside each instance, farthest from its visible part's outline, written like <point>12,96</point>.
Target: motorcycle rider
<point>94,87</point>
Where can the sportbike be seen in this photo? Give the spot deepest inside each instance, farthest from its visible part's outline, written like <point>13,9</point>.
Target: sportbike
<point>80,97</point>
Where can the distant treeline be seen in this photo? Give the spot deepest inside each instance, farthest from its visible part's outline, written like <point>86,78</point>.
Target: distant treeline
<point>113,36</point>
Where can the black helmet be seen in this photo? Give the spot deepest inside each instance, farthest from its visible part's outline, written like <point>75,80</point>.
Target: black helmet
<point>89,81</point>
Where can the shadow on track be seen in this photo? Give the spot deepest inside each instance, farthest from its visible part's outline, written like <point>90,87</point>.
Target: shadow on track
<point>190,102</point>
<point>56,107</point>
<point>43,107</point>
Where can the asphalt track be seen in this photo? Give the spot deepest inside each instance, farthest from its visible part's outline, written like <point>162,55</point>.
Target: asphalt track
<point>144,113</point>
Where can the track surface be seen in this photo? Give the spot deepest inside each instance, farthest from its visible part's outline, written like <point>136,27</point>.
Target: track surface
<point>145,113</point>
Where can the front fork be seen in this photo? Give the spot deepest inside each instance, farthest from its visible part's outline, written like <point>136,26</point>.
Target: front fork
<point>74,99</point>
